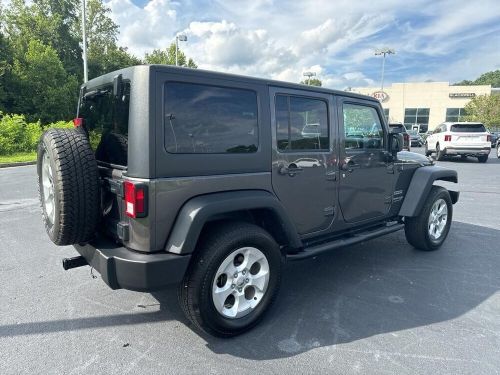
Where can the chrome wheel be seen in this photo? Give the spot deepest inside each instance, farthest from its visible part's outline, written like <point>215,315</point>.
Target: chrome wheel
<point>240,283</point>
<point>437,219</point>
<point>48,189</point>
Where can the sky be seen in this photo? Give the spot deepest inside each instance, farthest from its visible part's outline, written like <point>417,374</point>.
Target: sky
<point>281,39</point>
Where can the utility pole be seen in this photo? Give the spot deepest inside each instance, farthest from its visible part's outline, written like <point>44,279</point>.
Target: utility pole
<point>84,35</point>
<point>384,52</point>
<point>182,38</point>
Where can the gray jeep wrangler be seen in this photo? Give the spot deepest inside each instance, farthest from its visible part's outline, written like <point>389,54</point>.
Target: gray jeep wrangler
<point>212,181</point>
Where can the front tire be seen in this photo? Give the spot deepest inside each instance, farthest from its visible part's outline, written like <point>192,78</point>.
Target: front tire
<point>439,153</point>
<point>232,280</point>
<point>429,229</point>
<point>427,152</point>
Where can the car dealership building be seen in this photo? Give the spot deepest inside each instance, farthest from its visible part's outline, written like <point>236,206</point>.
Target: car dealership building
<point>424,105</point>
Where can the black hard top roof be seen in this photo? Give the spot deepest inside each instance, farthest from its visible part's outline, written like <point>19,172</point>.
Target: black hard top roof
<point>227,76</point>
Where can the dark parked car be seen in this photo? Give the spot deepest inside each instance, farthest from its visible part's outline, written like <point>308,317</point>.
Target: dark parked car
<point>415,138</point>
<point>397,127</point>
<point>494,137</point>
<point>211,181</point>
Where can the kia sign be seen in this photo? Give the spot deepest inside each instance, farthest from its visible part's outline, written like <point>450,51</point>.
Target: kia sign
<point>381,96</point>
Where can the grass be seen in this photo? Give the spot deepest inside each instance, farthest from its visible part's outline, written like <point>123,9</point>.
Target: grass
<point>18,157</point>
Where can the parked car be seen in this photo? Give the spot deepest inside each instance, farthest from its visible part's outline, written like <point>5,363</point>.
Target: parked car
<point>415,138</point>
<point>398,127</point>
<point>204,180</point>
<point>495,135</point>
<point>459,138</point>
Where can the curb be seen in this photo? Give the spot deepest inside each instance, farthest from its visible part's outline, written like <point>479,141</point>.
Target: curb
<point>19,164</point>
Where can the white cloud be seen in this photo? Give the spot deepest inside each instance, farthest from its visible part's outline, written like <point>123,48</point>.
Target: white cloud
<point>282,39</point>
<point>143,29</point>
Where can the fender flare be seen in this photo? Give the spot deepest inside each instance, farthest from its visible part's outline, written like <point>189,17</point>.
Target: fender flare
<point>196,212</point>
<point>420,186</point>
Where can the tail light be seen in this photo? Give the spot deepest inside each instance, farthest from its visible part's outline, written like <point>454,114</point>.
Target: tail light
<point>135,199</point>
<point>447,138</point>
<point>77,122</point>
<point>488,138</point>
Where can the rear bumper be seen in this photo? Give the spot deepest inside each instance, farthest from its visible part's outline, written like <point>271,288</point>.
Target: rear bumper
<point>127,269</point>
<point>467,150</point>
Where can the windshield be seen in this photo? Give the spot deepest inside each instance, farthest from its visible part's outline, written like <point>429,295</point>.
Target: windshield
<point>105,117</point>
<point>468,128</point>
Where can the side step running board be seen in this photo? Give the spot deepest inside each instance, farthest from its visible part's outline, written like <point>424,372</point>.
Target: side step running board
<point>341,242</point>
<point>69,263</point>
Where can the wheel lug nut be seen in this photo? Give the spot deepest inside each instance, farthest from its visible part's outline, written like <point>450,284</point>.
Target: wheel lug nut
<point>235,274</point>
<point>246,280</point>
<point>244,272</point>
<point>239,290</point>
<point>233,286</point>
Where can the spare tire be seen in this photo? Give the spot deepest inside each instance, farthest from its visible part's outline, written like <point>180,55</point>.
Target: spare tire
<point>68,186</point>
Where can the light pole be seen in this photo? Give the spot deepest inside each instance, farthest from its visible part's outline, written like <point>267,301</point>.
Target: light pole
<point>383,52</point>
<point>182,38</point>
<point>84,37</point>
<point>309,75</point>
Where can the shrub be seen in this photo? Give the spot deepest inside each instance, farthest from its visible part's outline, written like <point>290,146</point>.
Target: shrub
<point>16,135</point>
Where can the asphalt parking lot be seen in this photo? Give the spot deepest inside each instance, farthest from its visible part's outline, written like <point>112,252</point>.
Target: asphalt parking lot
<point>377,307</point>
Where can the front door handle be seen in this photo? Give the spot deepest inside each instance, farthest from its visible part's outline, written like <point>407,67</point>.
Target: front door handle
<point>292,169</point>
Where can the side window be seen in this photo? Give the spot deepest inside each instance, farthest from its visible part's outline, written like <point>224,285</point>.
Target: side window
<point>362,127</point>
<point>209,119</point>
<point>301,123</point>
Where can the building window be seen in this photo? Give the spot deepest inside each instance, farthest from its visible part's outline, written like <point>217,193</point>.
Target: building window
<point>455,114</point>
<point>417,116</point>
<point>386,114</point>
<point>301,124</point>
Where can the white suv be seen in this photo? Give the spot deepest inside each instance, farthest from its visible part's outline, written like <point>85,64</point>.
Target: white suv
<point>459,138</point>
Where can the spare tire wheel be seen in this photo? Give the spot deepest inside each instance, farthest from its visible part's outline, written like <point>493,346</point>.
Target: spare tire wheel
<point>68,186</point>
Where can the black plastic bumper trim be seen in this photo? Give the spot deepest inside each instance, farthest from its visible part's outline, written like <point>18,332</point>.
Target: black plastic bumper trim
<point>123,268</point>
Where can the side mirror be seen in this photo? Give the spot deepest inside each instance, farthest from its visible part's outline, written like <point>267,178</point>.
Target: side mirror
<point>396,142</point>
<point>118,86</point>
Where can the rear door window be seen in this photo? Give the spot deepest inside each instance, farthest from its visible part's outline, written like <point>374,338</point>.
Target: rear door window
<point>468,128</point>
<point>302,124</point>
<point>105,117</point>
<point>209,119</point>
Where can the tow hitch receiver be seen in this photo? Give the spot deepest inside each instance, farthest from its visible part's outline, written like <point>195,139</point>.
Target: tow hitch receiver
<point>69,263</point>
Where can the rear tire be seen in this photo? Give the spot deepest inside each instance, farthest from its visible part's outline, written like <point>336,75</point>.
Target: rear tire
<point>482,158</point>
<point>68,186</point>
<point>209,279</point>
<point>419,230</point>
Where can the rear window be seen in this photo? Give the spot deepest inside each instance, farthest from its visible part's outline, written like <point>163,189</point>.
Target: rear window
<point>210,119</point>
<point>106,119</point>
<point>468,128</point>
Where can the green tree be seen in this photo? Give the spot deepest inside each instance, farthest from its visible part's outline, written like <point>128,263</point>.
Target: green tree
<point>490,78</point>
<point>312,82</point>
<point>167,57</point>
<point>49,21</point>
<point>484,109</point>
<point>46,91</point>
